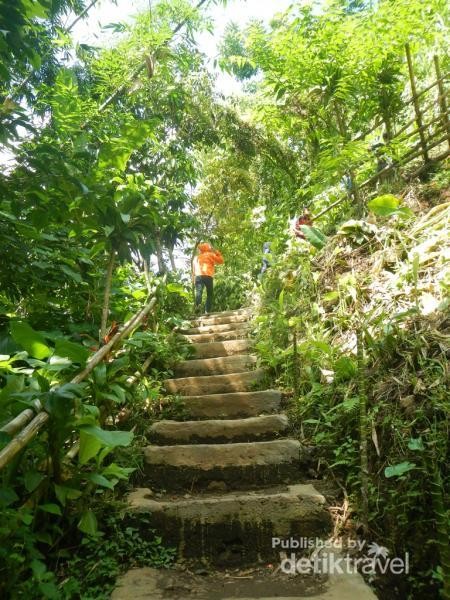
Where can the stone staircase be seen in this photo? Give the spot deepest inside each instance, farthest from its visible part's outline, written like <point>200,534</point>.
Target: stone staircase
<point>222,484</point>
<point>226,481</point>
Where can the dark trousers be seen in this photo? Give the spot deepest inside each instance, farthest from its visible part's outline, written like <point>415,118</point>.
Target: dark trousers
<point>204,281</point>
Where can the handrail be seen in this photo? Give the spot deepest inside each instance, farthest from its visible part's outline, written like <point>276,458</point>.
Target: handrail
<point>40,419</point>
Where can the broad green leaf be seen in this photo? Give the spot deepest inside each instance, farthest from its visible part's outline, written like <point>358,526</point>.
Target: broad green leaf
<point>89,447</point>
<point>115,470</point>
<point>64,493</point>
<point>14,385</point>
<point>384,206</point>
<point>314,236</point>
<point>32,479</point>
<point>75,352</point>
<point>29,339</point>
<point>71,273</point>
<point>53,509</point>
<point>88,523</point>
<point>38,567</point>
<point>399,469</point>
<point>139,294</point>
<point>108,438</point>
<point>101,480</point>
<point>330,297</point>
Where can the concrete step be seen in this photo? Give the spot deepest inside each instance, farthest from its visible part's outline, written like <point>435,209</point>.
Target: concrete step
<point>239,466</point>
<point>234,527</point>
<point>215,328</point>
<point>234,405</point>
<point>216,431</point>
<point>260,582</point>
<point>227,313</point>
<point>216,349</point>
<point>215,366</point>
<point>218,336</point>
<point>220,319</point>
<point>215,384</point>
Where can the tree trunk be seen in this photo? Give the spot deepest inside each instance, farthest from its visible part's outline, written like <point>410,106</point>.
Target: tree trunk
<point>159,255</point>
<point>107,294</point>
<point>147,275</point>
<point>171,257</point>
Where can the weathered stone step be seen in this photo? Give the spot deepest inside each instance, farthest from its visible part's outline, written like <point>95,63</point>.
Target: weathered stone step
<point>232,405</point>
<point>220,320</point>
<point>239,466</point>
<point>215,384</point>
<point>256,583</point>
<point>215,328</point>
<point>235,527</point>
<point>218,336</point>
<point>216,349</point>
<point>219,430</point>
<point>215,366</point>
<point>227,313</point>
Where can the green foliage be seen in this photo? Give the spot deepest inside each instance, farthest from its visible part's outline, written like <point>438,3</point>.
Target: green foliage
<point>233,55</point>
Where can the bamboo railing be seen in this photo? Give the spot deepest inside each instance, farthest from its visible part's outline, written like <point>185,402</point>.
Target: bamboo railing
<point>426,129</point>
<point>29,422</point>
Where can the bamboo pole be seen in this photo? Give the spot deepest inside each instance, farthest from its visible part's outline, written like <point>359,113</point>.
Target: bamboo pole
<point>19,442</point>
<point>100,354</point>
<point>379,122</point>
<point>427,89</point>
<point>28,433</point>
<point>18,422</point>
<point>442,99</point>
<point>417,110</point>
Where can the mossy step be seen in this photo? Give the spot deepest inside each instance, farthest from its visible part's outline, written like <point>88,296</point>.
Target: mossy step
<point>232,405</point>
<point>218,430</point>
<point>218,336</point>
<point>239,466</point>
<point>236,526</point>
<point>216,349</point>
<point>220,319</point>
<point>216,366</point>
<point>219,328</point>
<point>215,384</point>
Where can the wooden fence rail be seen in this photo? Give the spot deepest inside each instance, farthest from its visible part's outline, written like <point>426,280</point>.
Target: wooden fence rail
<point>28,423</point>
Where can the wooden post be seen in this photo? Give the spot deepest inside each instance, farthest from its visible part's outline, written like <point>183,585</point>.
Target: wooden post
<point>412,80</point>
<point>442,100</point>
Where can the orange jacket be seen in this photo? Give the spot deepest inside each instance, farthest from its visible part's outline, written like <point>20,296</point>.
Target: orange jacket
<point>204,263</point>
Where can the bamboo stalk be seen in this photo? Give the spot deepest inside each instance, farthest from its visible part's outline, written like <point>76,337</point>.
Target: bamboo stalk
<point>417,110</point>
<point>104,350</point>
<point>18,422</point>
<point>442,100</point>
<point>19,442</point>
<point>410,157</point>
<point>417,130</point>
<point>427,89</point>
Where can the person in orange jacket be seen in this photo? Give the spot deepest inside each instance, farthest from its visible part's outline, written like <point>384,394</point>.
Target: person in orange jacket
<point>203,270</point>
